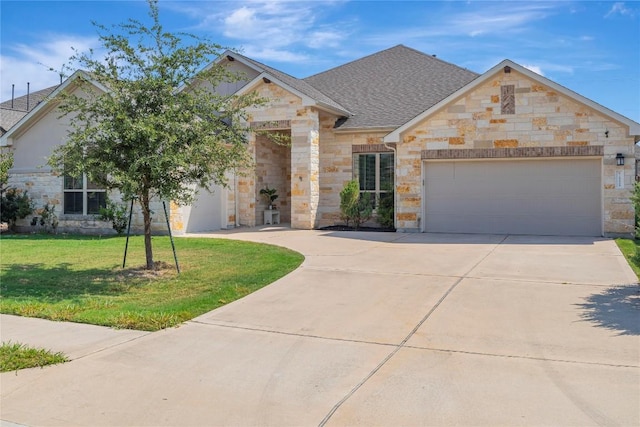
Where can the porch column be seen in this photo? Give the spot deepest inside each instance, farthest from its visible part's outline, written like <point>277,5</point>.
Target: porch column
<point>305,169</point>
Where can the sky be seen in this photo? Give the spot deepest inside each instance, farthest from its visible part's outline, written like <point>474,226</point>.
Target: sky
<point>590,47</point>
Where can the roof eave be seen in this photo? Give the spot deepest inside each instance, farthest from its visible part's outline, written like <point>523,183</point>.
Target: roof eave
<point>362,129</point>
<point>7,139</point>
<point>307,101</point>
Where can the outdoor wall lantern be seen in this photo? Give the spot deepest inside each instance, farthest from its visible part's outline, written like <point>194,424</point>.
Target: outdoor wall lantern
<point>619,159</point>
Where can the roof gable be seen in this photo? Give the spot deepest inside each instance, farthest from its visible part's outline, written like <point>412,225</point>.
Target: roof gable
<point>388,88</point>
<point>37,112</point>
<point>634,128</point>
<point>292,84</point>
<point>12,111</point>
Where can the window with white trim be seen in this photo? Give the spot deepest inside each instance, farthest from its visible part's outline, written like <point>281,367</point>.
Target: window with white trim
<point>374,172</point>
<point>82,197</point>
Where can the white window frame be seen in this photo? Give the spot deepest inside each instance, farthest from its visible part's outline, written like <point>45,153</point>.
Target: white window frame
<point>85,194</point>
<point>356,175</point>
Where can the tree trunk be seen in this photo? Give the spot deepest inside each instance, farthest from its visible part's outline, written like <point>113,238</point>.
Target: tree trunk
<point>146,215</point>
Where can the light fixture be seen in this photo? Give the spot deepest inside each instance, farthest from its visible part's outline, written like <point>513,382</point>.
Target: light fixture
<point>619,159</point>
<point>606,133</point>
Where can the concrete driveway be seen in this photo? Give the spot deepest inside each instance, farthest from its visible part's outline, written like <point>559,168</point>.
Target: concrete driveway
<point>374,329</point>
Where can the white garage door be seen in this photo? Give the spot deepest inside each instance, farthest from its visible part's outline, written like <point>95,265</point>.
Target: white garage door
<point>547,197</point>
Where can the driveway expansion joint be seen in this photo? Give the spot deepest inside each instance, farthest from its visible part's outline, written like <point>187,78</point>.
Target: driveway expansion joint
<point>337,406</point>
<point>294,334</point>
<point>516,356</point>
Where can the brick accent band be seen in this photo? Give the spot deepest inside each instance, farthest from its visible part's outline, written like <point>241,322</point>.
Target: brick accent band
<point>271,125</point>
<point>372,148</point>
<point>519,152</point>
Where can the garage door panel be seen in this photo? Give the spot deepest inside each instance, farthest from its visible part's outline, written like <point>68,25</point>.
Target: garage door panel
<point>552,197</point>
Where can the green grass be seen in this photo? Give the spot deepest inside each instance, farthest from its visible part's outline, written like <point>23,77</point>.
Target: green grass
<point>80,279</point>
<point>18,356</point>
<point>629,248</point>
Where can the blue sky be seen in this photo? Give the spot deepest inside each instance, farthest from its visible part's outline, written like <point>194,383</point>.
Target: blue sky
<point>590,47</point>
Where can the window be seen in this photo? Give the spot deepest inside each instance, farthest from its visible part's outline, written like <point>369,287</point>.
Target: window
<point>82,197</point>
<point>374,172</point>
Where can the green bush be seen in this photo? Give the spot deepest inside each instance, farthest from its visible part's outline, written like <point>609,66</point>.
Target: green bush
<point>355,207</point>
<point>386,210</point>
<point>115,213</point>
<point>14,205</point>
<point>635,198</point>
<point>48,219</point>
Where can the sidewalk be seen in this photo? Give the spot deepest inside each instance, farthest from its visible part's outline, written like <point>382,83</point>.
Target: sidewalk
<point>75,340</point>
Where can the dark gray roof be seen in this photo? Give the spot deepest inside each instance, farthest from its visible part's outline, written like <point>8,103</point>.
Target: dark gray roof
<point>20,103</point>
<point>391,87</point>
<point>297,84</point>
<point>12,112</point>
<point>8,118</point>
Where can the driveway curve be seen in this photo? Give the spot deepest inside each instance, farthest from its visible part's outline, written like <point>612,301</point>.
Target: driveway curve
<point>372,329</point>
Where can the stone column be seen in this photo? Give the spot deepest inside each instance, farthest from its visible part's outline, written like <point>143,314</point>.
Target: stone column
<point>305,169</point>
<point>245,190</point>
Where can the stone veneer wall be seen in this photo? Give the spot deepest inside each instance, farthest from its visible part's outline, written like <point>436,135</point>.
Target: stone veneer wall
<point>273,170</point>
<point>543,118</point>
<point>336,166</point>
<point>46,187</point>
<point>284,106</point>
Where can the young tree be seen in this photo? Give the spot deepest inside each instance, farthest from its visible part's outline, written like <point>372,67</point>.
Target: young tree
<point>157,128</point>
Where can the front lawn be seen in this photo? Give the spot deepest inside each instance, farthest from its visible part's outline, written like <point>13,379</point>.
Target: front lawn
<point>629,248</point>
<point>80,279</point>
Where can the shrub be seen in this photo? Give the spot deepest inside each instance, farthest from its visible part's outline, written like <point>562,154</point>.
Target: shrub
<point>386,210</point>
<point>14,205</point>
<point>635,198</point>
<point>115,213</point>
<point>47,219</point>
<point>354,206</point>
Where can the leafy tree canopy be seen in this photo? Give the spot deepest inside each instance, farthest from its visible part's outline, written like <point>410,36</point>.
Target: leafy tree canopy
<point>147,120</point>
<point>6,163</point>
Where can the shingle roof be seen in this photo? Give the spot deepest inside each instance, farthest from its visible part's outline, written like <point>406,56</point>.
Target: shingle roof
<point>389,88</point>
<point>297,84</point>
<point>20,103</point>
<point>9,115</point>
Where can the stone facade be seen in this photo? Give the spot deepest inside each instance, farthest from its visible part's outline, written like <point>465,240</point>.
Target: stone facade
<point>303,173</point>
<point>46,188</point>
<point>543,118</point>
<point>336,165</point>
<point>504,115</point>
<point>273,170</point>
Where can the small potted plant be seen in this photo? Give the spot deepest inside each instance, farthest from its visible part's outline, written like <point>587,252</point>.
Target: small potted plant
<point>270,194</point>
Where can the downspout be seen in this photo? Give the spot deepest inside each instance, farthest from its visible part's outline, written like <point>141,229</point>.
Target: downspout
<point>395,181</point>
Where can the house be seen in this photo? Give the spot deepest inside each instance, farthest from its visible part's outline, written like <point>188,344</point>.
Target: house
<point>13,110</point>
<point>508,151</point>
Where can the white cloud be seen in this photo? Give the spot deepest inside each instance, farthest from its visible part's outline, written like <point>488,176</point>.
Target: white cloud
<point>535,68</point>
<point>325,38</point>
<point>620,8</point>
<point>284,28</point>
<point>33,62</point>
<point>499,20</point>
<point>274,55</point>
<point>240,19</point>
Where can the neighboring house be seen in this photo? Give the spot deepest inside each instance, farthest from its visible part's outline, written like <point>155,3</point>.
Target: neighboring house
<point>508,151</point>
<point>13,110</point>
